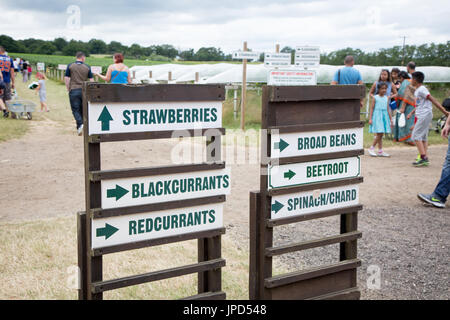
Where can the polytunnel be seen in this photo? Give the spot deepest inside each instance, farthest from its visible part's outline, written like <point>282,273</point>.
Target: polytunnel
<point>228,73</point>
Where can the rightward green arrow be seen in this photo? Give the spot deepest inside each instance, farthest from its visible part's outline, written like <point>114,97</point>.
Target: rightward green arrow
<point>289,174</point>
<point>105,118</point>
<point>107,231</point>
<point>277,206</point>
<point>281,145</point>
<point>117,193</point>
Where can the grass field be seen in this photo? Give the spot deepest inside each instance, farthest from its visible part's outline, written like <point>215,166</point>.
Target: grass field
<point>97,60</point>
<point>38,260</point>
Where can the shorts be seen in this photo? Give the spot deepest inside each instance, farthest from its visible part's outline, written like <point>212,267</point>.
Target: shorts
<point>6,95</point>
<point>422,127</point>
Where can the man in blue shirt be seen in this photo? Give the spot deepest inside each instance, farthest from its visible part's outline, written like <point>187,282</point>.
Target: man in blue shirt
<point>347,74</point>
<point>7,69</point>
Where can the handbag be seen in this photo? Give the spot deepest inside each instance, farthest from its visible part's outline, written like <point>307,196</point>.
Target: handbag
<point>402,120</point>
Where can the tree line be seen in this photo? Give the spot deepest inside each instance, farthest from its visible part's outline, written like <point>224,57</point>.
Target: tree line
<point>426,54</point>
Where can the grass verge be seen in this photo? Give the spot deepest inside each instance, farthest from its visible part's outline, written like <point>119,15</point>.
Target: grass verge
<point>38,260</point>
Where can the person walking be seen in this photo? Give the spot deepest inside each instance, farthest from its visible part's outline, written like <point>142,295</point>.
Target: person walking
<point>25,71</point>
<point>76,73</point>
<point>411,68</point>
<point>30,70</point>
<point>41,89</point>
<point>8,77</point>
<point>440,193</point>
<point>117,72</point>
<point>424,113</point>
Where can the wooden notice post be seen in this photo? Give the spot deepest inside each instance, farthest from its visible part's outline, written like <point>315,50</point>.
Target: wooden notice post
<point>244,88</point>
<point>312,139</point>
<point>120,215</point>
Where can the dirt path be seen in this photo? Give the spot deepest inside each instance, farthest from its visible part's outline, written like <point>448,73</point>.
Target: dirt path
<point>43,176</point>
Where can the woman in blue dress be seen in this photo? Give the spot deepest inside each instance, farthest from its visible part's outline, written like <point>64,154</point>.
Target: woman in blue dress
<point>380,120</point>
<point>117,72</point>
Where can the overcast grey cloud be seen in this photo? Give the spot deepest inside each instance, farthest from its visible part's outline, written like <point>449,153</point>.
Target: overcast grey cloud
<point>365,24</point>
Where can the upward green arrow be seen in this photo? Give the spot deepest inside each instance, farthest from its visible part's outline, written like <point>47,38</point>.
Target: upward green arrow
<point>105,118</point>
<point>118,192</point>
<point>277,206</point>
<point>107,231</point>
<point>281,145</point>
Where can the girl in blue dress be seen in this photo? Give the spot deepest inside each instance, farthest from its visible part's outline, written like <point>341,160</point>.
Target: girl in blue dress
<point>380,120</point>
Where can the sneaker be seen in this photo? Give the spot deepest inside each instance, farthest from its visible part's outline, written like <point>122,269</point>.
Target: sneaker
<point>428,198</point>
<point>371,151</point>
<point>80,130</point>
<point>381,153</point>
<point>421,163</point>
<point>5,114</point>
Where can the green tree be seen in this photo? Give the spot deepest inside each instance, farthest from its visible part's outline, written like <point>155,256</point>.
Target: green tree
<point>97,46</point>
<point>74,46</point>
<point>60,43</point>
<point>187,55</point>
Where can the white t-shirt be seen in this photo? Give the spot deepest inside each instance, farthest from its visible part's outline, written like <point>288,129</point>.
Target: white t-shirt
<point>423,105</point>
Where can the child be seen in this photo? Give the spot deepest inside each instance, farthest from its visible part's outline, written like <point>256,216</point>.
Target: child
<point>424,115</point>
<point>42,91</point>
<point>380,120</point>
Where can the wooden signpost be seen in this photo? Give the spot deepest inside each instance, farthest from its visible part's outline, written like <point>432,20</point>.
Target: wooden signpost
<point>142,207</point>
<point>312,144</point>
<point>244,55</point>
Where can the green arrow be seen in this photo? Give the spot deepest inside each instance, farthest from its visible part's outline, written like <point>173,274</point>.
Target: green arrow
<point>105,118</point>
<point>281,145</point>
<point>107,231</point>
<point>289,174</point>
<point>277,206</point>
<point>117,193</point>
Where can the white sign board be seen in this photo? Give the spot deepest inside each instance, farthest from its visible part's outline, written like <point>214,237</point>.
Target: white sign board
<point>40,66</point>
<point>297,204</point>
<point>292,78</point>
<point>308,49</point>
<point>62,66</point>
<point>308,64</point>
<point>118,117</point>
<point>146,226</point>
<point>307,56</point>
<point>298,174</point>
<point>162,188</point>
<point>315,142</point>
<point>96,69</point>
<point>277,59</point>
<point>249,55</point>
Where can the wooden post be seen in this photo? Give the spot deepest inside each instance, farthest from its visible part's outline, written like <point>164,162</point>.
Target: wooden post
<point>150,74</point>
<point>134,75</point>
<point>277,48</point>
<point>235,103</point>
<point>169,77</point>
<point>244,88</point>
<point>197,77</point>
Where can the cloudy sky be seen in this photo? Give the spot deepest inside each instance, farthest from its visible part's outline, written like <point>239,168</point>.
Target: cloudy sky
<point>330,24</point>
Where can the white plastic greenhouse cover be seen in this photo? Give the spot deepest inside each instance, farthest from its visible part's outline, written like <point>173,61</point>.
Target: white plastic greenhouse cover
<point>227,73</point>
